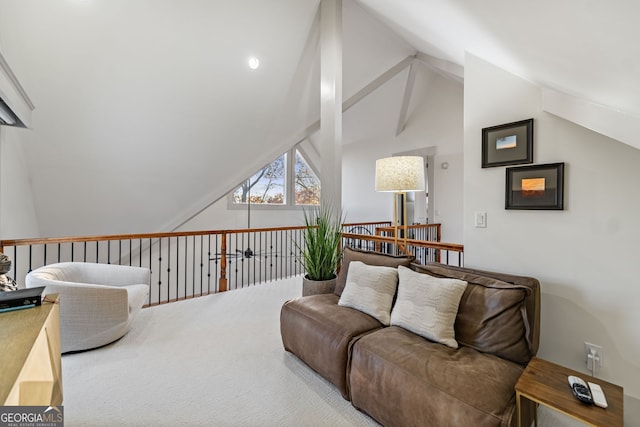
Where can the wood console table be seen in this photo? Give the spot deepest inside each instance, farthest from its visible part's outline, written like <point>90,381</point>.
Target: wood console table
<point>546,383</point>
<point>30,357</point>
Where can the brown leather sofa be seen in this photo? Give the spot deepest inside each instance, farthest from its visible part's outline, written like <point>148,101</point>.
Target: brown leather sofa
<point>402,379</point>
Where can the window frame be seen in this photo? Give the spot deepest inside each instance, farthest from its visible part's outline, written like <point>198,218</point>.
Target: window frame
<point>290,185</point>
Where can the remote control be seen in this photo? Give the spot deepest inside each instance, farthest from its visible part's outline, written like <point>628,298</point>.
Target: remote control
<point>580,390</point>
<point>598,395</point>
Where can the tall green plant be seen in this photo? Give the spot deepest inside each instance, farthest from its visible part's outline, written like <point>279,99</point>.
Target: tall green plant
<point>321,251</point>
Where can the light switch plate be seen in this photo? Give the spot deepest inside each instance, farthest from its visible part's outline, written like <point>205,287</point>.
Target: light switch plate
<point>480,220</point>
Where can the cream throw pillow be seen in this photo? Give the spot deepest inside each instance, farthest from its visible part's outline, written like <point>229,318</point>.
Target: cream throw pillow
<point>428,305</point>
<point>370,289</point>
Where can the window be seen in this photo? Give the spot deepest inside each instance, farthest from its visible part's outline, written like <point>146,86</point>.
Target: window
<point>267,186</point>
<point>307,184</point>
<point>288,180</point>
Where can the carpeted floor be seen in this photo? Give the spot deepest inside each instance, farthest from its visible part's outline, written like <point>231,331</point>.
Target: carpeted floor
<point>210,361</point>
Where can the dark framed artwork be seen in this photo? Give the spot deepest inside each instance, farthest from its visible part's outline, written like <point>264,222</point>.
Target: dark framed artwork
<point>535,187</point>
<point>508,144</point>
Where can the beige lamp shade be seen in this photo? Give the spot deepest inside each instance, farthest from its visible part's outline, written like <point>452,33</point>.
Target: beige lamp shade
<point>400,174</point>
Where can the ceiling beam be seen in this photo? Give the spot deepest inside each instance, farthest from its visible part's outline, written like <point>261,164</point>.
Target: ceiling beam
<point>379,81</point>
<point>357,97</point>
<point>406,98</point>
<point>331,103</point>
<point>615,124</point>
<point>14,96</point>
<point>443,67</point>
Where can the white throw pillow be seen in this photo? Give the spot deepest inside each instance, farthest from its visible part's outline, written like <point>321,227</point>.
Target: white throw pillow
<point>370,289</point>
<point>428,305</point>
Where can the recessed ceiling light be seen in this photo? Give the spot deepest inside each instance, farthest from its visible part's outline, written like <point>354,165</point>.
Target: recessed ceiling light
<point>254,63</point>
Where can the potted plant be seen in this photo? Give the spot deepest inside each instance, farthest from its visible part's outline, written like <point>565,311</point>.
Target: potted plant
<point>6,282</point>
<point>320,252</point>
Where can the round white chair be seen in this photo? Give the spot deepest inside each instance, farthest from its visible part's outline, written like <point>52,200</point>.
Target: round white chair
<point>98,302</point>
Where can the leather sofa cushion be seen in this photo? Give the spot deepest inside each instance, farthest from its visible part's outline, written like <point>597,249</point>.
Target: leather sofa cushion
<point>369,258</point>
<point>532,301</point>
<point>401,379</point>
<point>492,315</point>
<point>317,330</point>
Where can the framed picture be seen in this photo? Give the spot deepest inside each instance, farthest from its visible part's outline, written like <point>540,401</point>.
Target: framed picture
<point>509,144</point>
<point>535,187</point>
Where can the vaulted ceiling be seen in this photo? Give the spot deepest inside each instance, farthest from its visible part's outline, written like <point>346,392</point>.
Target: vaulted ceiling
<point>586,48</point>
<point>146,109</point>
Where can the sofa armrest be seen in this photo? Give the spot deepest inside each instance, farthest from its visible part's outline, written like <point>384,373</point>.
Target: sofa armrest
<point>87,301</point>
<point>137,296</point>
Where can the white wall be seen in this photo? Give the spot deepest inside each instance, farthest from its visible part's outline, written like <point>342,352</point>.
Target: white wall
<point>435,121</point>
<point>220,217</point>
<point>447,196</point>
<point>584,256</point>
<point>17,213</point>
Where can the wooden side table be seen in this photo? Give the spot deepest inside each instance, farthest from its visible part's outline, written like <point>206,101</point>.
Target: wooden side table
<point>30,358</point>
<point>546,383</point>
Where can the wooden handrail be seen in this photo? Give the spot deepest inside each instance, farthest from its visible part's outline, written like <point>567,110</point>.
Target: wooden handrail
<point>402,244</point>
<point>193,263</point>
<point>138,236</point>
<point>409,227</point>
<point>454,247</point>
<point>352,224</point>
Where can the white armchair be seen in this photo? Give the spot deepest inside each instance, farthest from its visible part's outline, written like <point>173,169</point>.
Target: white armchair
<point>98,302</point>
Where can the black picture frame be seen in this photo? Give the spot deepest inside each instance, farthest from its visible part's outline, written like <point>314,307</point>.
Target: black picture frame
<point>508,144</point>
<point>535,187</point>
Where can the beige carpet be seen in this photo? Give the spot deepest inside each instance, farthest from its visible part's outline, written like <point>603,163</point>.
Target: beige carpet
<point>210,361</point>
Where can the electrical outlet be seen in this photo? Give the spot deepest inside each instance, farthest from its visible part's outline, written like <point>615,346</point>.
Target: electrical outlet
<point>594,356</point>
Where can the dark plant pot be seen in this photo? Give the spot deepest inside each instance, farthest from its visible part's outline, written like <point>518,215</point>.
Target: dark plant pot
<point>314,287</point>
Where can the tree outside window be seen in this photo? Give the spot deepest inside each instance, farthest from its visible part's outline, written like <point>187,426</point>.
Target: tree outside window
<point>270,185</point>
<point>265,187</point>
<point>307,184</point>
